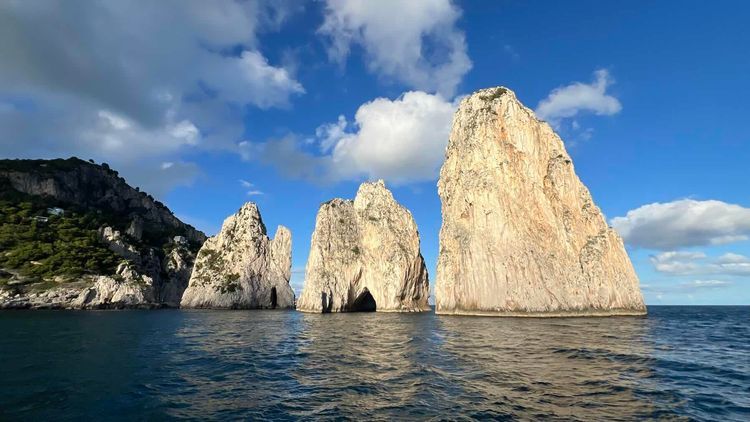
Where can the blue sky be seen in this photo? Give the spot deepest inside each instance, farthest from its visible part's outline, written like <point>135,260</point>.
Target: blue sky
<point>211,105</point>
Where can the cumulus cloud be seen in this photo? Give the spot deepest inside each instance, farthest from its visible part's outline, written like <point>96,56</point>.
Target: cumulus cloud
<point>704,284</point>
<point>659,291</point>
<point>733,264</point>
<point>677,262</point>
<point>684,223</point>
<point>106,80</point>
<point>691,263</point>
<point>250,187</point>
<point>414,42</point>
<point>401,140</point>
<point>570,100</point>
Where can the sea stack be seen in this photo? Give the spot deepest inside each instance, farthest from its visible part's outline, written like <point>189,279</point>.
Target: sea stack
<point>521,235</point>
<point>365,256</point>
<point>241,268</point>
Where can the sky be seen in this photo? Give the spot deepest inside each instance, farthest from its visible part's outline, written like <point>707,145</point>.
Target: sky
<point>207,105</point>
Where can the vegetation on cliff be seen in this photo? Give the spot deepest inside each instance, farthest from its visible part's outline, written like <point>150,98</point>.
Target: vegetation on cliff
<point>46,237</point>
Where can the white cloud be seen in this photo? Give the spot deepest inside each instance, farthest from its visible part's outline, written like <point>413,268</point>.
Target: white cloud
<point>685,289</point>
<point>677,262</point>
<point>684,223</point>
<point>401,141</point>
<point>570,100</point>
<point>250,186</point>
<point>733,264</point>
<point>691,263</point>
<point>107,81</point>
<point>119,138</point>
<point>705,284</point>
<point>249,79</point>
<point>414,42</point>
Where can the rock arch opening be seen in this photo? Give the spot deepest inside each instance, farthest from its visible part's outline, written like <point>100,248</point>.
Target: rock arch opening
<point>274,298</point>
<point>364,303</point>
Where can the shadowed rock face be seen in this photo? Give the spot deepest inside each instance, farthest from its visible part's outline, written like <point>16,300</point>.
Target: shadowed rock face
<point>521,234</point>
<point>365,256</point>
<point>74,181</point>
<point>241,268</point>
<point>154,250</point>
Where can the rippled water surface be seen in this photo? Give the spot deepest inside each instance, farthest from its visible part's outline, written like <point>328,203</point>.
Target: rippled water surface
<point>677,363</point>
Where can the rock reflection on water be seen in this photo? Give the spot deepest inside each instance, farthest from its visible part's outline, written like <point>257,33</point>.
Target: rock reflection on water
<point>423,365</point>
<point>542,368</point>
<point>287,365</point>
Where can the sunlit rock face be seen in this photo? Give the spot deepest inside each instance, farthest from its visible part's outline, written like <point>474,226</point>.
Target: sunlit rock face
<point>521,234</point>
<point>365,256</point>
<point>241,268</point>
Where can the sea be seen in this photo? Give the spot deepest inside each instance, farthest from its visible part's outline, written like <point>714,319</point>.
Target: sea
<point>677,363</point>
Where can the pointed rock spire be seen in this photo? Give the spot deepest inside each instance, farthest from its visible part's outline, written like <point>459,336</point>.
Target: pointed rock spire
<point>521,234</point>
<point>241,268</point>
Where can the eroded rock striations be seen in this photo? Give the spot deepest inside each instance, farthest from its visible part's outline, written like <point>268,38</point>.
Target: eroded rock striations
<point>521,234</point>
<point>365,256</point>
<point>241,268</point>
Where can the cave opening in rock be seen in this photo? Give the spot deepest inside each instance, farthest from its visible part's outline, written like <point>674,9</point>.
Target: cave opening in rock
<point>364,303</point>
<point>273,298</point>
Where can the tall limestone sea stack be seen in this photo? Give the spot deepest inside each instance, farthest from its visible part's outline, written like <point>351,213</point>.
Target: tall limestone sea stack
<point>365,256</point>
<point>521,235</point>
<point>241,268</point>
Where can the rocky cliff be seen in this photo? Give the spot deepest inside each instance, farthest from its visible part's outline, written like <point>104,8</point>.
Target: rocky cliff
<point>521,234</point>
<point>365,256</point>
<point>74,234</point>
<point>241,268</point>
<point>87,185</point>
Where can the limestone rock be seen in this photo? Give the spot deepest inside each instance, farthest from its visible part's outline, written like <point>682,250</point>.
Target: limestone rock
<point>241,268</point>
<point>127,289</point>
<point>521,234</point>
<point>135,230</point>
<point>365,255</point>
<point>178,266</point>
<point>117,244</point>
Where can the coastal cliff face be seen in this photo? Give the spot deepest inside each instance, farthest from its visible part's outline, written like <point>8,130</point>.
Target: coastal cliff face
<point>87,185</point>
<point>521,234</point>
<point>365,256</point>
<point>241,268</point>
<point>74,234</point>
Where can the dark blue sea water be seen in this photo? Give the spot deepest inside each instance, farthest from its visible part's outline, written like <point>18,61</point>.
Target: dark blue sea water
<point>677,363</point>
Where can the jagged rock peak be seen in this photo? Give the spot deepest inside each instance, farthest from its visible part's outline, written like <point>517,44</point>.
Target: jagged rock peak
<point>521,234</point>
<point>365,255</point>
<point>241,268</point>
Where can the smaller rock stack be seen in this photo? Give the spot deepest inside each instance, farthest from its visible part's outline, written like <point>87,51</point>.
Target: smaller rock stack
<point>241,268</point>
<point>365,256</point>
